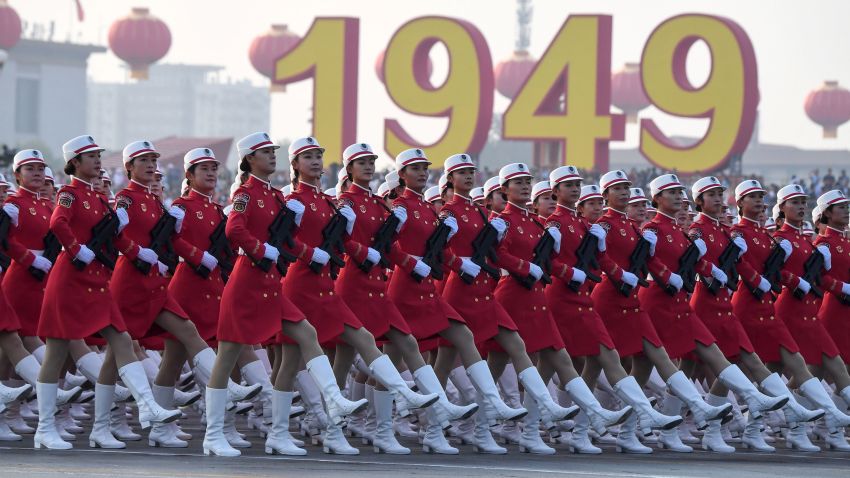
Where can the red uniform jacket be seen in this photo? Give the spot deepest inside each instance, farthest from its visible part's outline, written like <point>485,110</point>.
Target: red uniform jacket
<point>834,314</point>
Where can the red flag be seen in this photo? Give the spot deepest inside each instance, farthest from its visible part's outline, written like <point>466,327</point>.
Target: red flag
<point>80,14</point>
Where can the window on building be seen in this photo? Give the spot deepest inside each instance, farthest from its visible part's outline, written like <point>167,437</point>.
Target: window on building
<point>26,105</point>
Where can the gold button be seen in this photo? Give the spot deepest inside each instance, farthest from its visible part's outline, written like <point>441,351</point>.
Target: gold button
<point>579,309</point>
<point>381,294</point>
<point>320,294</point>
<point>89,289</point>
<point>370,294</point>
<point>208,296</point>
<point>431,295</point>
<point>265,294</point>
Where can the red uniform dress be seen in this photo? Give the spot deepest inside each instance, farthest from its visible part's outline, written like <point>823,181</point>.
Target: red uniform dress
<point>141,297</point>
<point>313,293</point>
<point>475,302</point>
<point>801,315</point>
<point>79,303</point>
<point>366,294</point>
<point>678,326</point>
<point>758,317</point>
<point>425,311</point>
<point>628,324</point>
<point>528,308</point>
<point>715,311</point>
<point>253,304</point>
<point>23,292</point>
<point>581,327</point>
<point>199,297</point>
<point>833,314</point>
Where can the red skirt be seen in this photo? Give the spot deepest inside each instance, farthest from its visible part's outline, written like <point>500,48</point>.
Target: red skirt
<point>715,311</point>
<point>800,316</point>
<point>835,317</point>
<point>253,305</point>
<point>678,326</point>
<point>77,303</point>
<point>767,333</point>
<point>314,295</point>
<point>141,298</point>
<point>199,297</point>
<point>531,314</point>
<point>476,303</point>
<point>24,294</point>
<point>580,326</point>
<point>9,321</point>
<point>624,319</point>
<point>423,309</point>
<point>366,296</point>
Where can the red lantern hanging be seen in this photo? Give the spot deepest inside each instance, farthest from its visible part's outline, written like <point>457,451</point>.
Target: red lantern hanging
<point>829,106</point>
<point>511,73</point>
<point>267,48</point>
<point>140,39</point>
<point>627,91</point>
<point>10,26</point>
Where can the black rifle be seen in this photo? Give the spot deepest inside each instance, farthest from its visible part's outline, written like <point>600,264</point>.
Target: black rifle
<point>382,243</point>
<point>433,256</point>
<point>727,262</point>
<point>280,235</point>
<point>586,260</point>
<point>101,243</point>
<point>52,247</point>
<point>637,266</point>
<point>812,270</point>
<point>687,270</point>
<point>332,243</point>
<point>483,248</point>
<point>221,250</point>
<point>161,243</point>
<point>543,259</point>
<point>772,268</point>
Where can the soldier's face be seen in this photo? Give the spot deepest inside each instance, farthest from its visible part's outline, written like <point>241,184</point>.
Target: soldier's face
<point>618,195</point>
<point>752,205</point>
<point>794,209</point>
<point>143,168</point>
<point>711,202</point>
<point>568,192</point>
<point>415,176</point>
<point>545,204</point>
<point>204,176</point>
<point>496,201</point>
<point>591,209</point>
<point>88,165</point>
<point>836,215</point>
<point>309,164</point>
<point>636,211</point>
<point>463,179</point>
<point>31,176</point>
<point>518,190</point>
<point>362,169</point>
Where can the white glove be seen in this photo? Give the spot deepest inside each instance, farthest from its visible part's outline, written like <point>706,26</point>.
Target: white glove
<point>271,253</point>
<point>786,246</point>
<point>630,279</point>
<point>85,255</point>
<point>12,211</point>
<point>764,285</point>
<point>470,268</point>
<point>123,218</point>
<point>422,269</point>
<point>373,256</point>
<point>295,206</point>
<point>845,288</point>
<point>42,264</point>
<point>827,256</point>
<point>701,247</point>
<point>578,276</point>
<point>652,238</point>
<point>500,226</point>
<point>804,285</point>
<point>401,213</point>
<point>600,234</point>
<point>320,256</point>
<point>742,245</point>
<point>452,224</point>
<point>148,255</point>
<point>163,269</point>
<point>556,234</point>
<point>676,281</point>
<point>535,271</point>
<point>350,217</point>
<point>209,261</point>
<point>718,274</point>
<point>178,214</point>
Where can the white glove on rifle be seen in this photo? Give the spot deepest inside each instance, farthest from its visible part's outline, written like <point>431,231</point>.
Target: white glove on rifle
<point>718,274</point>
<point>373,256</point>
<point>85,255</point>
<point>827,256</point>
<point>401,213</point>
<point>578,276</point>
<point>742,245</point>
<point>556,234</point>
<point>600,234</point>
<point>148,255</point>
<point>701,247</point>
<point>209,261</point>
<point>764,284</point>
<point>42,264</point>
<point>123,218</point>
<point>845,288</point>
<point>320,256</point>
<point>452,224</point>
<point>786,246</point>
<point>804,285</point>
<point>163,269</point>
<point>500,226</point>
<point>630,279</point>
<point>470,268</point>
<point>653,239</point>
<point>12,211</point>
<point>350,217</point>
<point>295,206</point>
<point>535,271</point>
<point>271,253</point>
<point>676,281</point>
<point>178,214</point>
<point>422,269</point>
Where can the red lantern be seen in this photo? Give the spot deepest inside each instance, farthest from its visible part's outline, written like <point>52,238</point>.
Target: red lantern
<point>267,48</point>
<point>829,106</point>
<point>10,26</point>
<point>627,91</point>
<point>512,73</point>
<point>139,39</point>
<point>379,66</point>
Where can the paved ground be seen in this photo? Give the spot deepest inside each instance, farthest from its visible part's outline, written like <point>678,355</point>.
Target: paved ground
<point>138,460</point>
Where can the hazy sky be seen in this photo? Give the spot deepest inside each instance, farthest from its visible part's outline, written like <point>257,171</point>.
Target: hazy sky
<point>798,45</point>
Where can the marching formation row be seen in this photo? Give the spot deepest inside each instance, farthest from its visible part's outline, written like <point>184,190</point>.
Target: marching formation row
<point>507,313</point>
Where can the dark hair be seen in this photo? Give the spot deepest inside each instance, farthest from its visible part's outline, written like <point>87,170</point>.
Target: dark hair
<point>822,219</point>
<point>188,187</point>
<point>128,166</point>
<point>781,215</point>
<point>294,179</point>
<point>70,169</point>
<point>245,168</point>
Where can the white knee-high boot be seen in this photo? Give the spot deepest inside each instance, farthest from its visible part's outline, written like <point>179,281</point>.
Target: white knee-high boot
<point>100,436</point>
